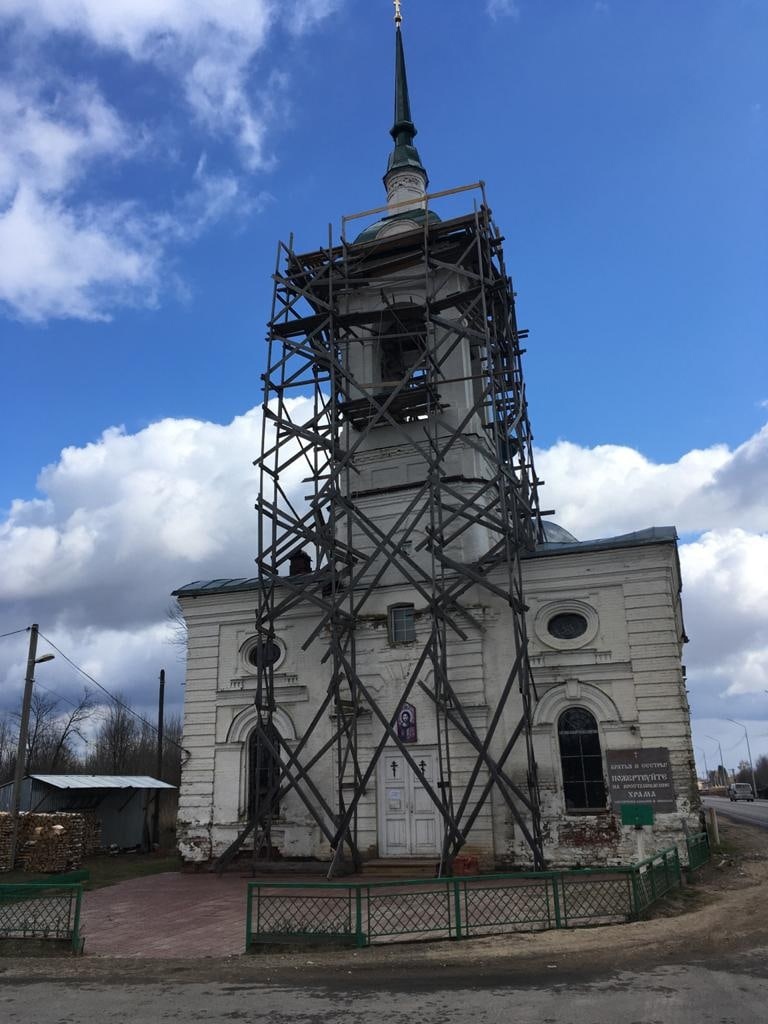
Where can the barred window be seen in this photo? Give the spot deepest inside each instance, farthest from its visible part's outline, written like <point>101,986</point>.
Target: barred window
<point>581,760</point>
<point>402,624</point>
<point>263,773</point>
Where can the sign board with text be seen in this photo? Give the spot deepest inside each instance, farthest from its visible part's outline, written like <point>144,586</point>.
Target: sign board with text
<point>641,776</point>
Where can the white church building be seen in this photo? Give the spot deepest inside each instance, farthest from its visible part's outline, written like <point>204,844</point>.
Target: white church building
<point>421,666</point>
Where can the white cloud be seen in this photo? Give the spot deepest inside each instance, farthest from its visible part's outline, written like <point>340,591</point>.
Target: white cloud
<point>75,258</point>
<point>208,46</point>
<point>70,263</point>
<point>123,521</point>
<point>503,8</point>
<point>48,141</point>
<point>718,495</point>
<point>725,576</point>
<point>611,489</point>
<point>67,259</point>
<point>134,515</point>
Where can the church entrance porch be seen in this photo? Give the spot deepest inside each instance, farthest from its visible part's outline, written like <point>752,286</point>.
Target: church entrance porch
<point>408,821</point>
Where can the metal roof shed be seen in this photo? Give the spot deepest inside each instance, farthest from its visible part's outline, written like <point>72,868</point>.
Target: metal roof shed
<point>120,801</point>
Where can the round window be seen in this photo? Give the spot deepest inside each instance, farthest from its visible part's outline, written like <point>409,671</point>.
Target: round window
<point>567,625</point>
<point>262,654</point>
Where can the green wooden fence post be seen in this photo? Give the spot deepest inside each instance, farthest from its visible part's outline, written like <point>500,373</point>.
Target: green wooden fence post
<point>457,906</point>
<point>248,914</point>
<point>634,877</point>
<point>77,944</point>
<point>556,901</point>
<point>359,939</point>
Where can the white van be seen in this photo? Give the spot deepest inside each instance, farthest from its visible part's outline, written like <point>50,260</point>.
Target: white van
<point>740,791</point>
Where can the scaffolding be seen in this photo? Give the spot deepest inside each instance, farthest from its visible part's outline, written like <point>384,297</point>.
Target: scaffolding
<point>327,405</point>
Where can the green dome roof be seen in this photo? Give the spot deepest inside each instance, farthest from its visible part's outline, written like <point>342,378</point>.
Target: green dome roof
<point>417,216</point>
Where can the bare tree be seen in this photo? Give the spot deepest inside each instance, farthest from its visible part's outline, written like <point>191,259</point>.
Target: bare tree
<point>8,743</point>
<point>70,726</point>
<point>179,637</point>
<point>172,750</point>
<point>116,740</point>
<point>54,725</point>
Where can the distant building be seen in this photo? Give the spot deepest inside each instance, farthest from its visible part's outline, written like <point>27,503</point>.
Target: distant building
<point>121,803</point>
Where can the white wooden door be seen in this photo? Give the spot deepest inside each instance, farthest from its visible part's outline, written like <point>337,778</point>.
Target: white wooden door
<point>408,820</point>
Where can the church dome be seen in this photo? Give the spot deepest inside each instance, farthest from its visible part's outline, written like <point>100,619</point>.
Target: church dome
<point>406,221</point>
<point>556,534</point>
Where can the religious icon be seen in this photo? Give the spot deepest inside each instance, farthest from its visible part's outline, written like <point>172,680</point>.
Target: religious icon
<point>406,723</point>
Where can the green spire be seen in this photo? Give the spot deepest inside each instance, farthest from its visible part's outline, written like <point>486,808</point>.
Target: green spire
<point>405,154</point>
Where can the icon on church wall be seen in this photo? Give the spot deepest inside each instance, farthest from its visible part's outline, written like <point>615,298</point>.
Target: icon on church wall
<point>406,723</point>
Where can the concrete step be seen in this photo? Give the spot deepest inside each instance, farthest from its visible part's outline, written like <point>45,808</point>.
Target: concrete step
<point>401,867</point>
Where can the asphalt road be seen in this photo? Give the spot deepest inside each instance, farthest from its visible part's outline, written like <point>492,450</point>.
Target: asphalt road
<point>755,813</point>
<point>728,990</point>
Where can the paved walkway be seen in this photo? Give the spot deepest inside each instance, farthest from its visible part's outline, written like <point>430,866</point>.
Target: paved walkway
<point>169,916</point>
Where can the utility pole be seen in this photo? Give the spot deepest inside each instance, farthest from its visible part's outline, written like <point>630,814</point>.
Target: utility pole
<point>21,752</point>
<point>706,766</point>
<point>159,773</point>
<point>749,755</point>
<point>723,773</point>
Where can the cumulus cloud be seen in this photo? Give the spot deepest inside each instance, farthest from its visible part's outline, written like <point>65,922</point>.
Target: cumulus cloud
<point>208,47</point>
<point>121,522</point>
<point>726,593</point>
<point>608,489</point>
<point>75,257</point>
<point>716,496</point>
<point>129,517</point>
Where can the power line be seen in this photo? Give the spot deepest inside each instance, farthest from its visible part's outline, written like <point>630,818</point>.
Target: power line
<point>55,693</point>
<point>14,632</point>
<point>112,697</point>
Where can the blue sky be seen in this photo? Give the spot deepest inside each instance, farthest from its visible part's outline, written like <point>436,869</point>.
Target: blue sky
<point>156,150</point>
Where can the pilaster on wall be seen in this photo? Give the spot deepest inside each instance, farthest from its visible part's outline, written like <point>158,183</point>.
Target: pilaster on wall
<point>197,772</point>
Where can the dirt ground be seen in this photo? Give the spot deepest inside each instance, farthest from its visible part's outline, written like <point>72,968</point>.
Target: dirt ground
<point>724,910</point>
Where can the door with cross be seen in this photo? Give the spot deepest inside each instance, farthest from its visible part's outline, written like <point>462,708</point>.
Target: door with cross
<point>408,819</point>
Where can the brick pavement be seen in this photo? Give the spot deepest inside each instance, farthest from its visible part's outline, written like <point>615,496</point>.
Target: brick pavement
<point>167,916</point>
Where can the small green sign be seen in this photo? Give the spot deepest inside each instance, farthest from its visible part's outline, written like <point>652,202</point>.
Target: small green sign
<point>636,814</point>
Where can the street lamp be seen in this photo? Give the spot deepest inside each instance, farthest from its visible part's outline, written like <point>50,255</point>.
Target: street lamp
<point>749,753</point>
<point>703,753</point>
<point>723,773</point>
<point>21,759</point>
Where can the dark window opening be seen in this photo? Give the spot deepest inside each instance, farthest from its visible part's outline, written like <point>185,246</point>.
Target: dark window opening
<point>567,625</point>
<point>402,346</point>
<point>264,653</point>
<point>581,760</point>
<point>402,624</point>
<point>263,773</point>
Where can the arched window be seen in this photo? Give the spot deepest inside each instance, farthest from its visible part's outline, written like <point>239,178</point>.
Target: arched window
<point>263,772</point>
<point>582,761</point>
<point>402,343</point>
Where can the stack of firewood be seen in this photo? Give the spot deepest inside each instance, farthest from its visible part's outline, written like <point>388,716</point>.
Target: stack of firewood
<point>91,833</point>
<point>5,842</point>
<point>48,843</point>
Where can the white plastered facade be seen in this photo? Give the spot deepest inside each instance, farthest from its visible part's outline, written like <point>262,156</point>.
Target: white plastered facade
<point>625,669</point>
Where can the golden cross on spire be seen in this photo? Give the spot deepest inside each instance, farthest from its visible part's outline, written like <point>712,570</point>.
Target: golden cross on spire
<point>398,13</point>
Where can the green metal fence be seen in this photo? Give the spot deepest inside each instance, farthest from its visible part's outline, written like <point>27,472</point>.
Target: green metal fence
<point>698,850</point>
<point>359,913</point>
<point>41,910</point>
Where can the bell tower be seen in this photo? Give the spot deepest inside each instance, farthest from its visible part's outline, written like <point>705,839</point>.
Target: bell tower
<point>394,393</point>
